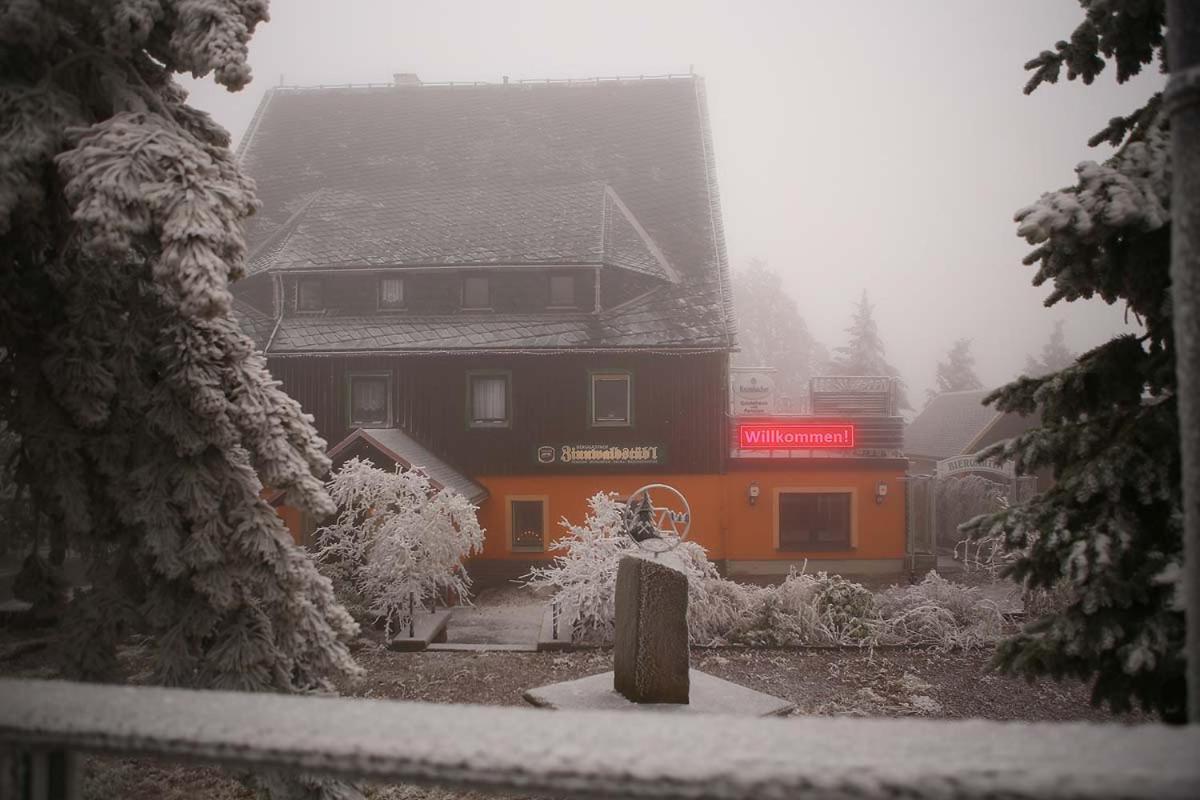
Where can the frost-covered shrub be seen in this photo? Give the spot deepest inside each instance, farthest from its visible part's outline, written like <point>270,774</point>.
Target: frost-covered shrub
<point>816,610</point>
<point>939,613</point>
<point>584,576</point>
<point>396,535</point>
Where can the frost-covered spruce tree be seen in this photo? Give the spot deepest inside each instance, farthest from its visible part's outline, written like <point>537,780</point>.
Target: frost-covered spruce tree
<point>1055,355</point>
<point>957,372</point>
<point>1108,533</point>
<point>864,353</point>
<point>148,423</point>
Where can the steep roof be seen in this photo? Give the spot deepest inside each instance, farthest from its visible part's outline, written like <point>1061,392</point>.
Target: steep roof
<point>402,450</point>
<point>950,422</point>
<point>613,173</point>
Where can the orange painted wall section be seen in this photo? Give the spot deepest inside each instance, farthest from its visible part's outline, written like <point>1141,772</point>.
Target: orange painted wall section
<point>879,527</point>
<point>568,495</point>
<point>723,521</point>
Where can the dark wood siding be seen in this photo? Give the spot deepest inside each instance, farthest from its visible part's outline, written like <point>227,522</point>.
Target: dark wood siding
<point>679,403</point>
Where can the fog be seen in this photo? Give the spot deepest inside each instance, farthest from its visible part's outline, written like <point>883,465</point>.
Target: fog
<point>860,145</point>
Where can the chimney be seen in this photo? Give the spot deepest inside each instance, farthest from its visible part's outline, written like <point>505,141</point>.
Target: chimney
<point>406,79</point>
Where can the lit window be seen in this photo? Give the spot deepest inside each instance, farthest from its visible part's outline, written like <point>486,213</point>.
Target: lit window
<point>310,294</point>
<point>391,293</point>
<point>488,400</point>
<point>476,293</point>
<point>814,521</point>
<point>611,399</point>
<point>527,524</point>
<point>369,400</point>
<point>562,291</point>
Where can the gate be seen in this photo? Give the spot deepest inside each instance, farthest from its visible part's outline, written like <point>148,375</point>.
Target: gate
<point>938,504</point>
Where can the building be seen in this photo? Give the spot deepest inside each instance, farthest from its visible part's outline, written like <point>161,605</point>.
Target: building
<point>527,284</point>
<point>959,424</point>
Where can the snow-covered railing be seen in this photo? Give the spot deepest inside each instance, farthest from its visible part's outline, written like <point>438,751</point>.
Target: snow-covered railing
<point>576,754</point>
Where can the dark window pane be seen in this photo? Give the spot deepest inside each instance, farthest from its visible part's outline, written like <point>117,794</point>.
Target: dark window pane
<point>812,521</point>
<point>527,530</point>
<point>369,400</point>
<point>562,290</point>
<point>475,293</point>
<point>610,398</point>
<point>309,295</point>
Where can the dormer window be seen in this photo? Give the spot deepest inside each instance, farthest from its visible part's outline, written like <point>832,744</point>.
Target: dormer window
<point>391,293</point>
<point>562,291</point>
<point>476,293</point>
<point>310,294</point>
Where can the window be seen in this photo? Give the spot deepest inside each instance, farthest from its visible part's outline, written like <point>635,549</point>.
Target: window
<point>562,291</point>
<point>488,399</point>
<point>370,401</point>
<point>527,523</point>
<point>391,293</point>
<point>476,293</point>
<point>812,520</point>
<point>611,402</point>
<point>310,294</point>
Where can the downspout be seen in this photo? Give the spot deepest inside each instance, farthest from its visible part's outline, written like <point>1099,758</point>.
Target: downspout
<point>278,312</point>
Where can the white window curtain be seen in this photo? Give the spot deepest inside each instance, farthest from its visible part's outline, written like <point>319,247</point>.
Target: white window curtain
<point>489,398</point>
<point>369,399</point>
<point>391,292</point>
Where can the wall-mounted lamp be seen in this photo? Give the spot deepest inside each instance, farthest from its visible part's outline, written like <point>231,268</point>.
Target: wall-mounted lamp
<point>752,492</point>
<point>880,492</point>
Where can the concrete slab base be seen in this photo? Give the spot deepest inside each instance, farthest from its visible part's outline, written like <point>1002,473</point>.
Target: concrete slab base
<point>709,695</point>
<point>427,628</point>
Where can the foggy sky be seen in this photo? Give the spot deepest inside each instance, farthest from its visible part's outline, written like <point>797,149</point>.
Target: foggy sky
<point>859,145</point>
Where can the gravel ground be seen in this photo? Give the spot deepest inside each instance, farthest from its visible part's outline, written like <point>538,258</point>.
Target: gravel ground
<point>900,682</point>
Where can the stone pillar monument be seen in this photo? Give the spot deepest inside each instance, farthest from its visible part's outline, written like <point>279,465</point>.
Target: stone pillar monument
<point>650,641</point>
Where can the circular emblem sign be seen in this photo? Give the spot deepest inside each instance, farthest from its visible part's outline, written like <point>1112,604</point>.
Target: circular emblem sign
<point>658,517</point>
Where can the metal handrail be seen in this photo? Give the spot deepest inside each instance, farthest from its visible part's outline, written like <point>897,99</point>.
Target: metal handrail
<point>658,754</point>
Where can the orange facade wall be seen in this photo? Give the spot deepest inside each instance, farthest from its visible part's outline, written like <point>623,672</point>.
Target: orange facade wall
<point>723,520</point>
<point>877,529</point>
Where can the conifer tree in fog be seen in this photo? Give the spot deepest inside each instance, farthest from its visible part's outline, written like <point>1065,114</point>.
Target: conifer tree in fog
<point>771,332</point>
<point>1109,532</point>
<point>957,372</point>
<point>1055,355</point>
<point>864,353</point>
<point>148,424</point>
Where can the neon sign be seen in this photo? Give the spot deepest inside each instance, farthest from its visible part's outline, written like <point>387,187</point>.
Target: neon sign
<point>800,436</point>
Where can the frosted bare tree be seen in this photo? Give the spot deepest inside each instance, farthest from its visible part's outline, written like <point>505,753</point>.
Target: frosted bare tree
<point>148,424</point>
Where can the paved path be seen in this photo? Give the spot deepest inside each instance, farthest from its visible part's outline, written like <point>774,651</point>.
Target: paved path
<point>500,615</point>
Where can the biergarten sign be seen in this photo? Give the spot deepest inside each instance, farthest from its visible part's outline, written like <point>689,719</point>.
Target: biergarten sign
<point>796,436</point>
<point>752,392</point>
<point>590,454</point>
<point>959,464</point>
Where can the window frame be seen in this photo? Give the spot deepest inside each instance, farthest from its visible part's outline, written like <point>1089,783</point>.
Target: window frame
<point>312,279</point>
<point>851,542</point>
<point>462,293</point>
<point>550,304</point>
<point>380,305</point>
<point>469,411</point>
<point>511,527</point>
<point>609,374</point>
<point>387,382</point>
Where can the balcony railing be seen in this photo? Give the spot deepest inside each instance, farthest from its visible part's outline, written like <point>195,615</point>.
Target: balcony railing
<point>585,754</point>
